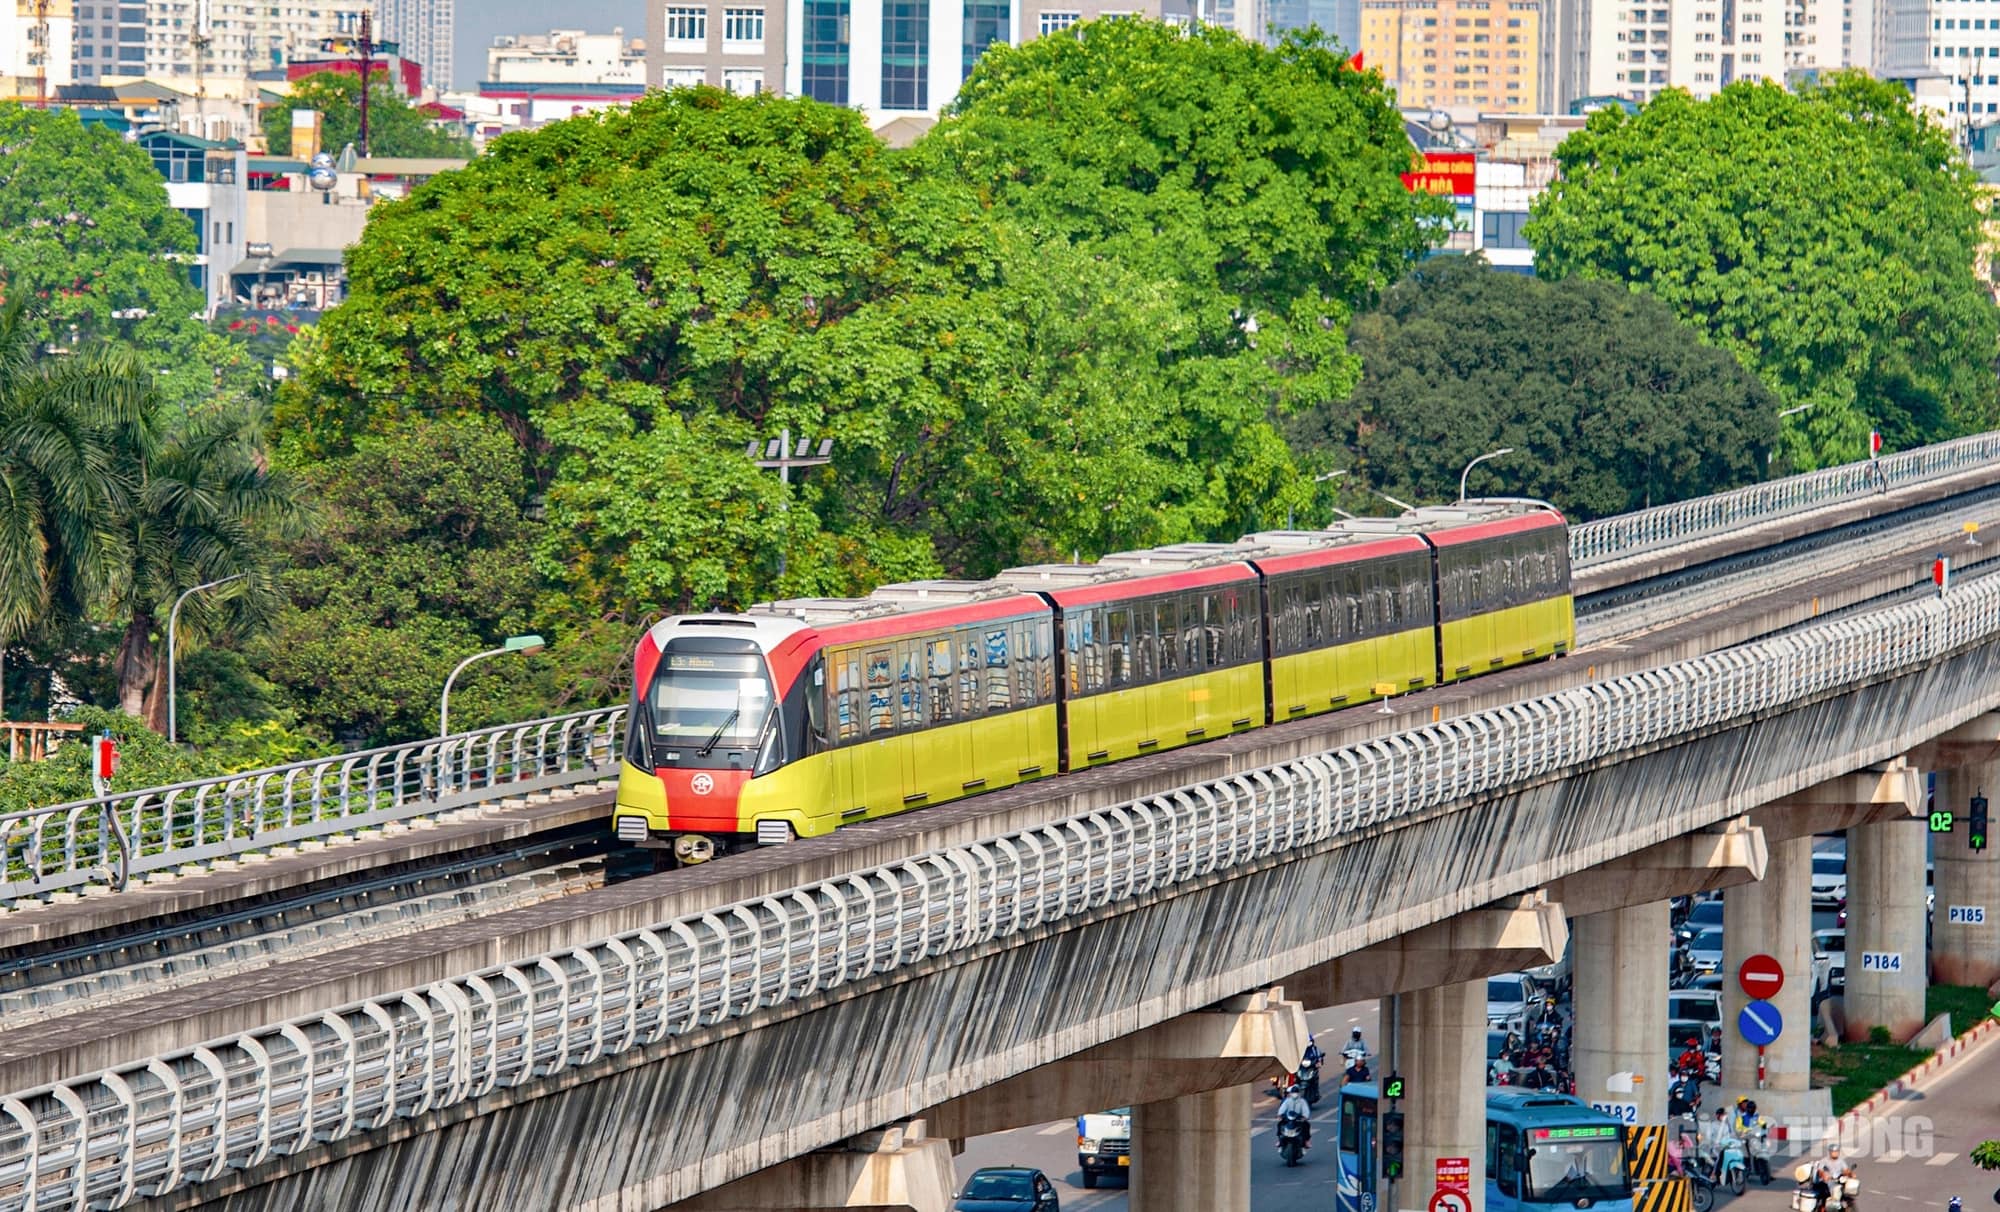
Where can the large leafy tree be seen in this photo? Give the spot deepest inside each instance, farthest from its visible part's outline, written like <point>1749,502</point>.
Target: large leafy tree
<point>91,239</point>
<point>396,127</point>
<point>1608,401</point>
<point>1826,237</point>
<point>1247,195</point>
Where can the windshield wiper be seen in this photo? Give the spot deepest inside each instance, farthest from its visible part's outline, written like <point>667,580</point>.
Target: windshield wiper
<point>729,720</point>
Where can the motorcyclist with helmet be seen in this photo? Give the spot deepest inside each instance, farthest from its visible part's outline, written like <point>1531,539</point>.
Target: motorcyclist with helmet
<point>1827,1171</point>
<point>1294,1108</point>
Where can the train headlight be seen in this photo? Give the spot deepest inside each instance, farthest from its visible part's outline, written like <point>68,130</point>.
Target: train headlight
<point>693,848</point>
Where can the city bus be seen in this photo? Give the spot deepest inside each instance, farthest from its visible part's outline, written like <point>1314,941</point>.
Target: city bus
<point>1544,1152</point>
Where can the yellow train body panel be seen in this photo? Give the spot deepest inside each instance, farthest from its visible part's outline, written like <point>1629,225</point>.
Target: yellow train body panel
<point>1327,679</point>
<point>1501,639</point>
<point>817,794</point>
<point>1165,715</point>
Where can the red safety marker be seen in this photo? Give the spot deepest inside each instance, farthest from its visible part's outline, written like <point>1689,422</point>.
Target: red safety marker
<point>107,757</point>
<point>1761,977</point>
<point>1874,443</point>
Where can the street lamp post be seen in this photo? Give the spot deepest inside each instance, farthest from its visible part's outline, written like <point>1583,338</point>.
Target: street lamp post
<point>1771,455</point>
<point>1320,479</point>
<point>778,453</point>
<point>526,645</point>
<point>173,624</point>
<point>1491,454</point>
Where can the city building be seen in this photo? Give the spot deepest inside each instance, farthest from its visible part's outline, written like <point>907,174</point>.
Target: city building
<point>342,56</point>
<point>241,38</point>
<point>1461,56</point>
<point>423,28</point>
<point>37,48</point>
<point>1341,18</point>
<point>1630,50</point>
<point>109,39</point>
<point>496,108</point>
<point>891,59</point>
<point>566,56</point>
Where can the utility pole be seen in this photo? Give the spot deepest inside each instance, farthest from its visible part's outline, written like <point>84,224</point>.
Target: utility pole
<point>367,58</point>
<point>779,454</point>
<point>202,38</point>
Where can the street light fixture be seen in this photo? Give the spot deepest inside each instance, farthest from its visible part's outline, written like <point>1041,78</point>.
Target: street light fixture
<point>1786,412</point>
<point>778,453</point>
<point>1319,479</point>
<point>173,624</point>
<point>1402,505</point>
<point>1491,454</point>
<point>526,645</point>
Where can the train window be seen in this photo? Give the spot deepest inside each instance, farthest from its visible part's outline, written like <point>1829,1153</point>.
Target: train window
<point>1168,631</point>
<point>1027,660</point>
<point>997,696</point>
<point>1211,631</point>
<point>881,694</point>
<point>1352,588</point>
<point>1073,641</point>
<point>1144,645</point>
<point>847,713</point>
<point>909,685</point>
<point>1313,633</point>
<point>970,701</point>
<point>817,694</point>
<point>1191,634</point>
<point>942,701</point>
<point>1118,646</point>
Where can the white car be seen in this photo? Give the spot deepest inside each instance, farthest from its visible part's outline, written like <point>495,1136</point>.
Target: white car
<point>1556,975</point>
<point>1510,1002</point>
<point>1696,1005</point>
<point>1829,960</point>
<point>1829,877</point>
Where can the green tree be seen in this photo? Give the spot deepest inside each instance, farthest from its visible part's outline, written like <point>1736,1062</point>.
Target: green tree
<point>1608,401</point>
<point>1986,1155</point>
<point>395,126</point>
<point>61,484</point>
<point>1254,190</point>
<point>1825,237</point>
<point>90,234</point>
<point>425,557</point>
<point>205,506</point>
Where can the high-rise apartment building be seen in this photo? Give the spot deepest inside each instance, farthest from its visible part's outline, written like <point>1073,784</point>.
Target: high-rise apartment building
<point>109,39</point>
<point>887,58</point>
<point>423,30</point>
<point>1468,56</point>
<point>37,47</point>
<point>1634,49</point>
<point>241,37</point>
<point>1341,18</point>
<point>1964,45</point>
<point>565,56</point>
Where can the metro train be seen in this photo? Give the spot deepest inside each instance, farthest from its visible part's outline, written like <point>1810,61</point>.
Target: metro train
<point>794,718</point>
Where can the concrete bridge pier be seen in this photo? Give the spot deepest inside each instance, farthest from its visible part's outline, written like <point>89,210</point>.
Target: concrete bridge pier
<point>1441,1055</point>
<point>1192,1154</point>
<point>1966,951</point>
<point>1887,960</point>
<point>1620,1041</point>
<point>1965,947</point>
<point>1623,931</point>
<point>895,1169</point>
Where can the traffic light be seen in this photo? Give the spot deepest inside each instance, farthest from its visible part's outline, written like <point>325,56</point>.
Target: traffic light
<point>1393,1088</point>
<point>1976,823</point>
<point>1392,1144</point>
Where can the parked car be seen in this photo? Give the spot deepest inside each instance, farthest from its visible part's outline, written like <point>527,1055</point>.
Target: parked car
<point>1705,950</point>
<point>1007,1189</point>
<point>1696,1005</point>
<point>1511,1001</point>
<point>1104,1145</point>
<point>1707,982</point>
<point>1829,960</point>
<point>1556,976</point>
<point>1829,877</point>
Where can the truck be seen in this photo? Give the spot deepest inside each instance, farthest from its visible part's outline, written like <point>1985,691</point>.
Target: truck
<point>1104,1144</point>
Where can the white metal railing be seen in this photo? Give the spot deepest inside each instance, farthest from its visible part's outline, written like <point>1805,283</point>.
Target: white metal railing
<point>150,1127</point>
<point>160,828</point>
<point>1630,534</point>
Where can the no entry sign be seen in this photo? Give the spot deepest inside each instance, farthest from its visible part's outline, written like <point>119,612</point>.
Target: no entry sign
<point>1761,977</point>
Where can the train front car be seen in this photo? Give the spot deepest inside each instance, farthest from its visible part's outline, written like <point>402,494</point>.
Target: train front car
<point>719,719</point>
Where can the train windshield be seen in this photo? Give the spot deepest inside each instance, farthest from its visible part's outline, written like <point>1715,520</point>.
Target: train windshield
<point>701,702</point>
<point>1584,1163</point>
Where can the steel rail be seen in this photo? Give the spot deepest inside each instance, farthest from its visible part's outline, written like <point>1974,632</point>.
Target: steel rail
<point>1630,534</point>
<point>108,840</point>
<point>151,1127</point>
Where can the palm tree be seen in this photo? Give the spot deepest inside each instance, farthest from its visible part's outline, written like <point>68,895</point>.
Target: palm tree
<point>207,505</point>
<point>61,486</point>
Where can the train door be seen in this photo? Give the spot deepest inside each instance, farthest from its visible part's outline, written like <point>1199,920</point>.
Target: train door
<point>1356,1190</point>
<point>942,760</point>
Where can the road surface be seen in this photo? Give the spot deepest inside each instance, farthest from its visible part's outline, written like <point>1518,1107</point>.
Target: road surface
<point>1051,1147</point>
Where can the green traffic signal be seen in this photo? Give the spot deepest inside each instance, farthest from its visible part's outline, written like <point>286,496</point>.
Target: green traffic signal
<point>1941,822</point>
<point>1393,1088</point>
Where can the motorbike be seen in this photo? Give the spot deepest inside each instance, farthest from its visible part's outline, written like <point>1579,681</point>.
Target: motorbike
<point>1843,1196</point>
<point>1730,1167</point>
<point>1308,1077</point>
<point>1291,1139</point>
<point>1757,1146</point>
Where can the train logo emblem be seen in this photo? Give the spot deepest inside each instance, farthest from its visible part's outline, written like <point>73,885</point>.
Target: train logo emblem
<point>702,784</point>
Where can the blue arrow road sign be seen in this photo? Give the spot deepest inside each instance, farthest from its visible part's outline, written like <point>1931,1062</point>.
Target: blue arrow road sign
<point>1760,1023</point>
